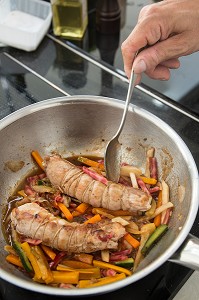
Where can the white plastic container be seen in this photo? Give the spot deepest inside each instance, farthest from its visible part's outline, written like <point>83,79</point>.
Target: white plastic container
<point>24,23</point>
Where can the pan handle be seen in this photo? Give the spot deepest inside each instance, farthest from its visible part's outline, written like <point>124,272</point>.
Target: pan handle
<point>188,254</point>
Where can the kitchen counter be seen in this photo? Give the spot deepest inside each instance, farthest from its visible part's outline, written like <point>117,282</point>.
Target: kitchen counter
<point>94,67</point>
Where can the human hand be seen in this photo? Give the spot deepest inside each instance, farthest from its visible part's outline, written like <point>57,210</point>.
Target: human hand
<point>168,29</point>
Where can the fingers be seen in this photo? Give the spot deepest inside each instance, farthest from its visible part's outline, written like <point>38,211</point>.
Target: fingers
<point>171,63</point>
<point>161,72</point>
<point>155,61</point>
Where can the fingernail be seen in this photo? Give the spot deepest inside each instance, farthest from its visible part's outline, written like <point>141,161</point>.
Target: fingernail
<point>140,66</point>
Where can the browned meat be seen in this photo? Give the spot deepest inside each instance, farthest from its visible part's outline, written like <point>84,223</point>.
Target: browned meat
<point>71,180</point>
<point>35,222</point>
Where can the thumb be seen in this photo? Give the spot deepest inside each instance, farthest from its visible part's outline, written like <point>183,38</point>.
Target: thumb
<point>149,58</point>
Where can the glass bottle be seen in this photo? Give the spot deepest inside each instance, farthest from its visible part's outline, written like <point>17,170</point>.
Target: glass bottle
<point>108,16</point>
<point>70,18</point>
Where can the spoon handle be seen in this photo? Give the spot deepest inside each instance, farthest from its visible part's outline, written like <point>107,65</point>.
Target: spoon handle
<point>132,81</point>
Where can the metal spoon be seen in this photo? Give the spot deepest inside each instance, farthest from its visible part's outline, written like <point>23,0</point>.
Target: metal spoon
<point>112,158</point>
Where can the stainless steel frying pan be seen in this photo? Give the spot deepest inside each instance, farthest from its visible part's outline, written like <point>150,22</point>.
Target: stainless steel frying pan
<point>83,125</point>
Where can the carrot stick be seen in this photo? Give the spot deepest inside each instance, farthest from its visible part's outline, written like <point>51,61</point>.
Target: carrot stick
<point>22,193</point>
<point>157,219</point>
<point>14,259</point>
<point>131,240</point>
<point>116,213</point>
<point>46,273</point>
<point>38,159</point>
<point>65,277</point>
<point>89,273</point>
<point>65,211</point>
<point>91,163</point>
<point>102,281</point>
<point>33,260</point>
<point>76,213</point>
<point>94,219</point>
<point>102,212</point>
<point>76,264</point>
<point>105,265</point>
<point>48,251</point>
<point>82,207</point>
<point>149,180</point>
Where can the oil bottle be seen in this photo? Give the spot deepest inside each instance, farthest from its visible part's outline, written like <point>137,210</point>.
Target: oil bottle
<point>70,18</point>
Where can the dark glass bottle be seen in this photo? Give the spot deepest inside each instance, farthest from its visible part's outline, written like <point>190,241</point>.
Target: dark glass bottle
<point>108,16</point>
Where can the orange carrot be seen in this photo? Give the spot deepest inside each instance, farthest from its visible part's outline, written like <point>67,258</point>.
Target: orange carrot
<point>65,211</point>
<point>131,240</point>
<point>94,219</point>
<point>157,219</point>
<point>38,159</point>
<point>82,207</point>
<point>148,180</point>
<point>91,163</point>
<point>76,213</point>
<point>48,251</point>
<point>14,259</point>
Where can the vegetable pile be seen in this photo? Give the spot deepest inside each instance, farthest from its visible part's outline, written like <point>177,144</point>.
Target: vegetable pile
<point>63,269</point>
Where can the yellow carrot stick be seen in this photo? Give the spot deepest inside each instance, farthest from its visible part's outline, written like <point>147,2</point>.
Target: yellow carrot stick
<point>84,283</point>
<point>116,213</point>
<point>102,212</point>
<point>105,265</point>
<point>91,163</point>
<point>131,240</point>
<point>65,211</point>
<point>22,193</point>
<point>26,248</point>
<point>94,219</point>
<point>62,267</point>
<point>82,207</point>
<point>48,251</point>
<point>14,259</point>
<point>83,273</point>
<point>148,180</point>
<point>46,273</point>
<point>65,277</point>
<point>38,159</point>
<point>76,264</point>
<point>102,281</point>
<point>157,219</point>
